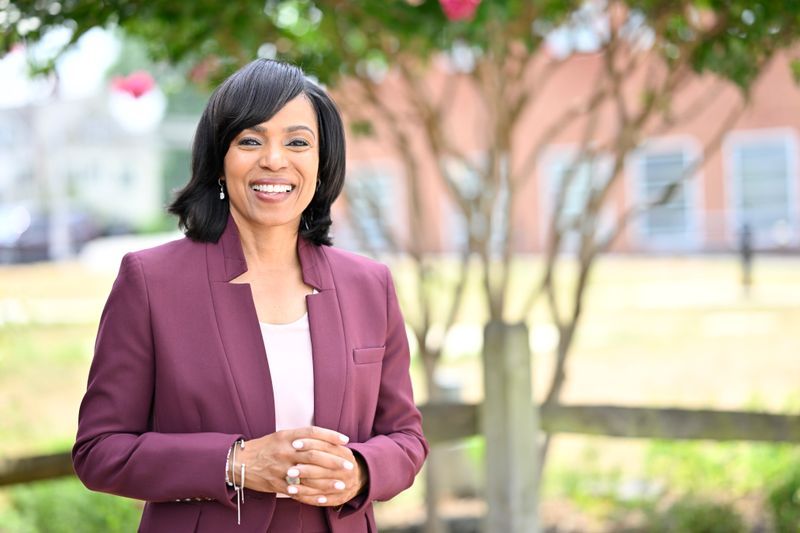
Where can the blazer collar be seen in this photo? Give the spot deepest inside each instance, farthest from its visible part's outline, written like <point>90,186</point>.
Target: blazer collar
<point>227,261</point>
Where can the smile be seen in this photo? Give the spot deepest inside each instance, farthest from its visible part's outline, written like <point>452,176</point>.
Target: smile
<point>274,188</point>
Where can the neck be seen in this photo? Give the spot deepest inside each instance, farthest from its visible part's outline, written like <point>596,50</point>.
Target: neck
<point>269,249</point>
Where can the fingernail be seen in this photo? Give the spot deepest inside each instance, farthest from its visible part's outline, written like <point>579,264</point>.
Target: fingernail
<point>347,465</point>
<point>339,485</point>
<point>293,472</point>
<point>322,499</point>
<point>291,489</point>
<point>344,438</point>
<point>297,444</point>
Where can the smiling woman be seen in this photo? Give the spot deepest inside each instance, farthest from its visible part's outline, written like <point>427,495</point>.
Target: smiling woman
<point>251,360</point>
<point>267,110</point>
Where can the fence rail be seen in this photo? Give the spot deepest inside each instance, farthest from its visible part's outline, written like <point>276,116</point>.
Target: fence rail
<point>444,422</point>
<point>450,421</point>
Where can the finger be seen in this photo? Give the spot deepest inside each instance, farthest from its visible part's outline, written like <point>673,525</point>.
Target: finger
<point>323,477</point>
<point>317,501</point>
<point>345,455</point>
<point>319,433</point>
<point>320,500</point>
<point>336,450</point>
<point>324,459</point>
<point>317,486</point>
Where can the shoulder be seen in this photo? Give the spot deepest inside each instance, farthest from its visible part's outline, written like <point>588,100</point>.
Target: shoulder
<point>175,256</point>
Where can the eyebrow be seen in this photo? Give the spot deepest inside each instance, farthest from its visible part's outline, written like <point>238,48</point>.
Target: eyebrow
<point>288,129</point>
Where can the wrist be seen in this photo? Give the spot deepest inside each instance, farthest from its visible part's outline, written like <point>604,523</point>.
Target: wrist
<point>363,473</point>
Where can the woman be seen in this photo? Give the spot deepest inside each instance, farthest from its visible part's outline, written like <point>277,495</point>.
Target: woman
<point>250,373</point>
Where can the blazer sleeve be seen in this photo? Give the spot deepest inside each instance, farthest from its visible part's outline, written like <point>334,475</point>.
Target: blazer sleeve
<point>395,454</point>
<point>116,450</point>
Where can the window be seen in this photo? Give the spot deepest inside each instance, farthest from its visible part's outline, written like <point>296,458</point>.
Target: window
<point>372,207</point>
<point>470,186</point>
<point>561,169</point>
<point>658,169</point>
<point>763,186</point>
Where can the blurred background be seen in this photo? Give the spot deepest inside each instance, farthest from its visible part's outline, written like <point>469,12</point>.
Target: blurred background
<point>614,182</point>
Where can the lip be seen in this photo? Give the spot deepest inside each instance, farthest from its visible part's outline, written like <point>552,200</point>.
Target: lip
<point>273,181</point>
<point>272,197</point>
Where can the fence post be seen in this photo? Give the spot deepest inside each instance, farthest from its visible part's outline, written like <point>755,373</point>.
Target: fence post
<point>511,430</point>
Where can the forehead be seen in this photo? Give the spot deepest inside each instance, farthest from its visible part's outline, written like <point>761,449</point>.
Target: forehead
<point>297,112</point>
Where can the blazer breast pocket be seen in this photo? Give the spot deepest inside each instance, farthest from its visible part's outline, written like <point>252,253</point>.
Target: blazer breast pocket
<point>363,356</point>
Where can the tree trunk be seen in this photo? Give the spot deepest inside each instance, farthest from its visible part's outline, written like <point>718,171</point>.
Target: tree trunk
<point>433,522</point>
<point>510,430</point>
<point>433,491</point>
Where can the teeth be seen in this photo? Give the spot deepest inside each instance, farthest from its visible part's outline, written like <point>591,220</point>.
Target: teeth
<point>272,188</point>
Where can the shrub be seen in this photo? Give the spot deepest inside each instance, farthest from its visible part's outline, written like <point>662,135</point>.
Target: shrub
<point>784,500</point>
<point>691,515</point>
<point>65,506</point>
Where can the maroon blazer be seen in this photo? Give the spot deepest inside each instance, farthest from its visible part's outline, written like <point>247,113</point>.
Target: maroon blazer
<point>180,372</point>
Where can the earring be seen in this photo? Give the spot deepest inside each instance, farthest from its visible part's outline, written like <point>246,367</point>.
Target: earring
<point>221,190</point>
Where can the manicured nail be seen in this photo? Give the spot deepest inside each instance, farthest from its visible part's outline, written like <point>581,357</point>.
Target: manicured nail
<point>291,489</point>
<point>298,444</point>
<point>293,472</point>
<point>322,499</point>
<point>344,438</point>
<point>347,465</point>
<point>339,485</point>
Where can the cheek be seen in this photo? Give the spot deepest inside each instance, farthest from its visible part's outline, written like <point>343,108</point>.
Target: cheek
<point>311,172</point>
<point>237,163</point>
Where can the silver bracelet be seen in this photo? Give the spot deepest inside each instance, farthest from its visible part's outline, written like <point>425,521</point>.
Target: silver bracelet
<point>227,466</point>
<point>238,488</point>
<point>241,487</point>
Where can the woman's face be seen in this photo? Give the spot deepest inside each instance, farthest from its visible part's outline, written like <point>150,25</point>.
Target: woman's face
<point>271,168</point>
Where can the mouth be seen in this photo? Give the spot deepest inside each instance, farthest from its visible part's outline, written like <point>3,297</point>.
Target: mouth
<point>272,192</point>
<point>272,188</point>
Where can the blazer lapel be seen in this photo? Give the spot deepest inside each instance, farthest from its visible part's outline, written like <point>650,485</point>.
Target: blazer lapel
<point>327,336</point>
<point>241,334</point>
<point>244,347</point>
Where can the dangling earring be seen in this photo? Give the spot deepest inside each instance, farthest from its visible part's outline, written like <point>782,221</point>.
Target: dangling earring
<point>221,190</point>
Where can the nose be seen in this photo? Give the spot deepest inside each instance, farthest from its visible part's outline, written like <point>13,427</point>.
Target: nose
<point>273,157</point>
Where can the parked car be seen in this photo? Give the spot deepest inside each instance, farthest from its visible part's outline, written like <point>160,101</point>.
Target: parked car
<point>24,233</point>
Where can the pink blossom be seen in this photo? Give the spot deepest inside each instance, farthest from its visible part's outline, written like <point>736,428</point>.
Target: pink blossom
<point>459,9</point>
<point>136,83</point>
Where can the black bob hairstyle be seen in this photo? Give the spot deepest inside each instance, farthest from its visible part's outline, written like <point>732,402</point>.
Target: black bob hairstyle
<point>249,97</point>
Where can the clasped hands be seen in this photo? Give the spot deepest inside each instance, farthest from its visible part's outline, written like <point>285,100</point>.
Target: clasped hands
<point>330,474</point>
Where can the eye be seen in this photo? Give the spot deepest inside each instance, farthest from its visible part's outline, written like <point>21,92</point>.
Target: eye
<point>249,141</point>
<point>299,143</point>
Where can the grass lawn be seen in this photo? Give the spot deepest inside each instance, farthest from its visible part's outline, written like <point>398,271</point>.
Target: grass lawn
<point>656,331</point>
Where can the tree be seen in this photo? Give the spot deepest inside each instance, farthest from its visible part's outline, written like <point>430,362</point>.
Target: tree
<point>382,60</point>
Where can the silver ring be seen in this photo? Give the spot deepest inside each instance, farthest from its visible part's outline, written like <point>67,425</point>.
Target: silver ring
<point>292,480</point>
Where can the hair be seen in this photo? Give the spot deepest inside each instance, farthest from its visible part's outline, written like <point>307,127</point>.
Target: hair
<point>249,97</point>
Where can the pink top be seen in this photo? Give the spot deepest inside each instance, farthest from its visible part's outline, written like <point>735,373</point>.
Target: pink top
<point>291,366</point>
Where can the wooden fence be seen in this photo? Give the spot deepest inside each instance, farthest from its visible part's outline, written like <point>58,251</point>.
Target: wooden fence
<point>450,421</point>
